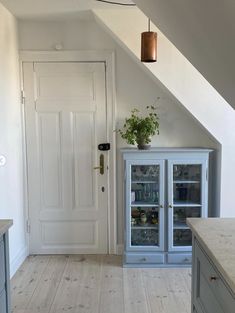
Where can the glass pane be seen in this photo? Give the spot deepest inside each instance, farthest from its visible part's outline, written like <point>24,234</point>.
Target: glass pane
<point>144,226</point>
<point>180,215</point>
<point>145,173</point>
<point>144,193</point>
<point>144,217</point>
<point>145,184</point>
<point>188,172</point>
<point>189,193</point>
<point>144,237</point>
<point>182,237</point>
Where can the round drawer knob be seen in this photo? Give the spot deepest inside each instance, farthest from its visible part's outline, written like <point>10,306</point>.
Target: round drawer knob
<point>213,278</point>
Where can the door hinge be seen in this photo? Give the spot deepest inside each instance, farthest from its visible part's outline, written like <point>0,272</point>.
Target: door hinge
<point>22,97</point>
<point>28,226</point>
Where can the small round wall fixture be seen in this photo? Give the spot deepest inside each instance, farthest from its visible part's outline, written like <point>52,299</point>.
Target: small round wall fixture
<point>148,46</point>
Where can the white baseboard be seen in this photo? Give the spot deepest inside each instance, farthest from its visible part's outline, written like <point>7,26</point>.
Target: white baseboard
<point>119,249</point>
<point>18,260</point>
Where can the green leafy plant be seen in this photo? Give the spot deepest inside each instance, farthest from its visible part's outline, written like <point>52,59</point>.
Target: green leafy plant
<point>139,129</point>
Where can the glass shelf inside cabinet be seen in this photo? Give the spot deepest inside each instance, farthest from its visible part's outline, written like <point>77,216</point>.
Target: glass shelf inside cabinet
<point>181,233</point>
<point>145,173</point>
<point>181,213</point>
<point>145,185</point>
<point>144,226</point>
<point>182,237</point>
<point>187,185</point>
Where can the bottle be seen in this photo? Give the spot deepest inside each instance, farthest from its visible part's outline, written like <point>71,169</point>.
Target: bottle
<point>143,218</point>
<point>154,217</point>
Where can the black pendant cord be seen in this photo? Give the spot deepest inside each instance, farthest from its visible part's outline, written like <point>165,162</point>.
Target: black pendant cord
<point>117,3</point>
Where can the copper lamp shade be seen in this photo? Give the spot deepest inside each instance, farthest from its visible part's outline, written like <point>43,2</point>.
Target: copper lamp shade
<point>148,46</point>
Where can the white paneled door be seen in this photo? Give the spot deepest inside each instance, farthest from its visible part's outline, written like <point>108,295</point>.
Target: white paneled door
<point>65,114</point>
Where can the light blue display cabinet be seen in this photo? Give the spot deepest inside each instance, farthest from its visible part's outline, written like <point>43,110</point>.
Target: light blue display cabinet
<point>162,188</point>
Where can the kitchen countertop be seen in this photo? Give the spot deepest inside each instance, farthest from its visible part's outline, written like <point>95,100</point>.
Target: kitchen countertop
<point>4,226</point>
<point>217,237</point>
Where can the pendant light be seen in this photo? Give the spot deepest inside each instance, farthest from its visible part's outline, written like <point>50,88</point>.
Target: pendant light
<point>148,46</point>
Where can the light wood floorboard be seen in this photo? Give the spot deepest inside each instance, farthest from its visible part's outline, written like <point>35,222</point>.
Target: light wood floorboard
<point>97,284</point>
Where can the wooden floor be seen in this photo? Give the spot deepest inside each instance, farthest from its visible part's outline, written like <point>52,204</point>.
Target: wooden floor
<point>97,284</point>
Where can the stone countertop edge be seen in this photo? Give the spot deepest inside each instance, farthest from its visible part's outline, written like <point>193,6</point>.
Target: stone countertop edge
<point>5,225</point>
<point>217,238</point>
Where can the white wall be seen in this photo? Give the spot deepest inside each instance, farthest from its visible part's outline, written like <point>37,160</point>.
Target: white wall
<point>11,175</point>
<point>135,88</point>
<point>193,91</point>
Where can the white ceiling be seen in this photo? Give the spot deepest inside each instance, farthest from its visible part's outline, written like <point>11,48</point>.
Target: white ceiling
<point>51,9</point>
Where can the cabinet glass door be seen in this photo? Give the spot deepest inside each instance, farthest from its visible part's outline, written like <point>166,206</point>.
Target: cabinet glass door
<point>145,216</point>
<point>185,200</point>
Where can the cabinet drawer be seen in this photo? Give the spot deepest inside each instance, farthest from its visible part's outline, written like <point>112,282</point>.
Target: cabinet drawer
<point>144,258</point>
<point>181,258</point>
<point>2,265</point>
<point>3,302</point>
<point>211,293</point>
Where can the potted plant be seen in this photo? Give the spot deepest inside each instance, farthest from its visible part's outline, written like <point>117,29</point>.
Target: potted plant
<point>139,129</point>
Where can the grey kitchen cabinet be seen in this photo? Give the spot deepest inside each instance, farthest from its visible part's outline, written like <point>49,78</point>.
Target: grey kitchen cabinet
<point>213,266</point>
<point>4,267</point>
<point>163,187</point>
<point>210,293</point>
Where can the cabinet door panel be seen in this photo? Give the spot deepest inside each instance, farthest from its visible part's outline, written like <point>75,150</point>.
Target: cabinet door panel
<point>3,307</point>
<point>187,194</point>
<point>2,265</point>
<point>210,292</point>
<point>206,298</point>
<point>144,205</point>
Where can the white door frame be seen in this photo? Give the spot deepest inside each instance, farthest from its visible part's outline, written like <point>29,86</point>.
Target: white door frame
<point>107,57</point>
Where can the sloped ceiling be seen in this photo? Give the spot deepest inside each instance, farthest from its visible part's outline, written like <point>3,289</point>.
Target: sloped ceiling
<point>204,32</point>
<point>44,9</point>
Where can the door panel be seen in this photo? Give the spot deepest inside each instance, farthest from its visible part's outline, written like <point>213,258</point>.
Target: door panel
<point>64,233</point>
<point>65,113</point>
<point>49,150</point>
<point>83,161</point>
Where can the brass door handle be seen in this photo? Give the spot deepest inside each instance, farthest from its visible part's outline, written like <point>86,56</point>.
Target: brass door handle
<point>101,167</point>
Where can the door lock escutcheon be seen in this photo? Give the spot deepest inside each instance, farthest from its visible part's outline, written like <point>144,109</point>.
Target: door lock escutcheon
<point>101,167</point>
